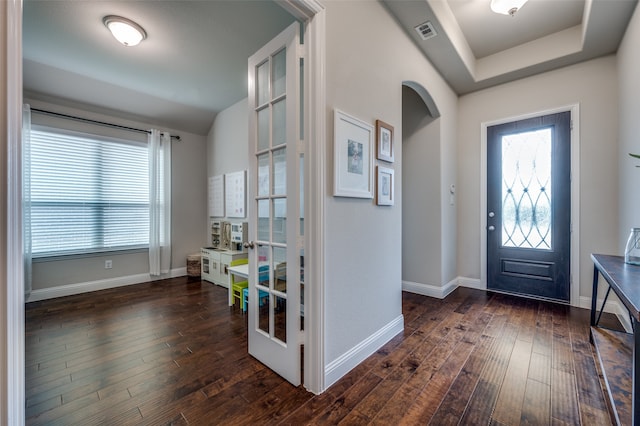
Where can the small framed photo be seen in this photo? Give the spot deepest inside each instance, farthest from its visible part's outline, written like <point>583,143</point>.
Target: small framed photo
<point>386,192</point>
<point>384,137</point>
<point>353,157</point>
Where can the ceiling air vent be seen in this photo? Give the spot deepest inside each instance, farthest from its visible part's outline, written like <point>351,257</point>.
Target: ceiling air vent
<point>426,30</point>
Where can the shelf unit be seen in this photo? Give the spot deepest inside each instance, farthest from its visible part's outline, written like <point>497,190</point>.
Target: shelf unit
<point>618,352</point>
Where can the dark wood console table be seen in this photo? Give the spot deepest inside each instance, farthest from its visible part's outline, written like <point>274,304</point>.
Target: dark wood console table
<point>619,352</point>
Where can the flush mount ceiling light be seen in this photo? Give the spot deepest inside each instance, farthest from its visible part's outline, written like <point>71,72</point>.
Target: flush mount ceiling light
<point>507,7</point>
<point>124,30</point>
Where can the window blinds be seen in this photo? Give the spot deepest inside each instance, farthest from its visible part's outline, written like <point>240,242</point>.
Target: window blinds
<point>88,193</point>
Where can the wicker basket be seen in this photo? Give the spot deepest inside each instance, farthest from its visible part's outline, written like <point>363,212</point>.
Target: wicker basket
<point>193,265</point>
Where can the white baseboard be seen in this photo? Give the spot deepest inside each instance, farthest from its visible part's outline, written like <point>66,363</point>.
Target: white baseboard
<point>349,360</point>
<point>613,307</point>
<point>471,283</point>
<point>439,292</point>
<point>77,288</point>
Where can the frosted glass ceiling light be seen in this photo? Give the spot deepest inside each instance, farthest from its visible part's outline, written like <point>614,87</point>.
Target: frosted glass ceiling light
<point>507,7</point>
<point>125,30</point>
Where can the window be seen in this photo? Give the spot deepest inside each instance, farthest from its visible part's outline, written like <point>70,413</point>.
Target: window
<point>89,193</point>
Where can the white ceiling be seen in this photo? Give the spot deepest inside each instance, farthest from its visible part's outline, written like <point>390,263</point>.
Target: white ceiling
<point>192,65</point>
<point>476,48</point>
<point>194,62</point>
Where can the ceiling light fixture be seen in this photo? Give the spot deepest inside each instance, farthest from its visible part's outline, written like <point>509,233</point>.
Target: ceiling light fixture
<point>507,7</point>
<point>124,30</point>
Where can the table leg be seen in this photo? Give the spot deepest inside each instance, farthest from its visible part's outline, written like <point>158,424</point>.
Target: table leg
<point>594,295</point>
<point>635,374</point>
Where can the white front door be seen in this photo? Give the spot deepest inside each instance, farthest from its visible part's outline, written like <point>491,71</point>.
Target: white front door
<point>274,198</point>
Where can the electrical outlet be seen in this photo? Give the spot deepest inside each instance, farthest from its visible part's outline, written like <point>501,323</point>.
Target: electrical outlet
<point>108,264</point>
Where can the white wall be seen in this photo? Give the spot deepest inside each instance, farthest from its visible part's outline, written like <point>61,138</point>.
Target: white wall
<point>188,204</point>
<point>629,124</point>
<point>228,146</point>
<point>365,70</point>
<point>594,86</point>
<point>228,140</point>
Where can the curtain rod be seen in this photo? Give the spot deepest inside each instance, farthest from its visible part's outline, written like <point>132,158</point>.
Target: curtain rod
<point>101,123</point>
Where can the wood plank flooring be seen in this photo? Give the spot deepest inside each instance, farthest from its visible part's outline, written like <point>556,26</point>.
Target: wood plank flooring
<point>172,352</point>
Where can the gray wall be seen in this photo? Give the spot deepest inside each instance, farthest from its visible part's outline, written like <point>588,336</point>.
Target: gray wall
<point>188,204</point>
<point>629,124</point>
<point>593,85</point>
<point>363,241</point>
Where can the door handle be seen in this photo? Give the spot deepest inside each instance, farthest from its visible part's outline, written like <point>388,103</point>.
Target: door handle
<point>249,245</point>
<point>492,228</point>
<point>491,214</point>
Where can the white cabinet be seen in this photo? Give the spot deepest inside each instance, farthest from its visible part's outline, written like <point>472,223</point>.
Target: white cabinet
<point>215,264</point>
<point>226,257</point>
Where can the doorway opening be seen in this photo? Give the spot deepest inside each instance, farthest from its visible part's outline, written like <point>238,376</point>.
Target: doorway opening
<point>422,217</point>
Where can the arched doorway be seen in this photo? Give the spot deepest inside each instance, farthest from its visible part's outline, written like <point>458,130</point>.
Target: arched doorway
<point>422,213</point>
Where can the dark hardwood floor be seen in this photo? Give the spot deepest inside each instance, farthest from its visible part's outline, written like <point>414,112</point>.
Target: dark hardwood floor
<point>173,352</point>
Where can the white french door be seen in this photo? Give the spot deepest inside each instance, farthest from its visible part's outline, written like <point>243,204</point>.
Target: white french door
<point>274,198</point>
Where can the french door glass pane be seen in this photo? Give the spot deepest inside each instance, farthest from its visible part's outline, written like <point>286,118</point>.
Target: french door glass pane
<point>280,268</point>
<point>280,171</point>
<point>263,315</point>
<point>280,319</point>
<point>279,123</point>
<point>263,175</point>
<point>280,220</point>
<point>263,128</point>
<point>526,190</point>
<point>279,62</point>
<point>263,83</point>
<point>263,220</point>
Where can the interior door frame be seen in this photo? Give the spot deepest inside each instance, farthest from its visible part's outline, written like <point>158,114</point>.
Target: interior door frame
<point>12,365</point>
<point>312,12</point>
<point>574,285</point>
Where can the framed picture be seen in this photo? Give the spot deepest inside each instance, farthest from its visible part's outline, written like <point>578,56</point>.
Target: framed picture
<point>384,138</point>
<point>386,192</point>
<point>353,158</point>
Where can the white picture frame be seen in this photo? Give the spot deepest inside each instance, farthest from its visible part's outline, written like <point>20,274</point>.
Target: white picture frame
<point>353,157</point>
<point>385,193</point>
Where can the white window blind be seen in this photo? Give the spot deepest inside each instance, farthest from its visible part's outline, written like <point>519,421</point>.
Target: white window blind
<point>88,193</point>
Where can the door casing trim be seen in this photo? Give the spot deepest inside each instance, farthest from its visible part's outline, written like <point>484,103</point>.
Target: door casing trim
<point>574,278</point>
<point>313,13</point>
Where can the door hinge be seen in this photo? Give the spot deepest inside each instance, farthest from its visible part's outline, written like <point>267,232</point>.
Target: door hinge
<point>571,124</point>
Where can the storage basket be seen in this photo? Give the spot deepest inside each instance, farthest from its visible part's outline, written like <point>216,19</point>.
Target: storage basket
<point>193,265</point>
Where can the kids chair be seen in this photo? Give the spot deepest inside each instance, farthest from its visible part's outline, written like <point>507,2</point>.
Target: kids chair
<point>263,275</point>
<point>237,287</point>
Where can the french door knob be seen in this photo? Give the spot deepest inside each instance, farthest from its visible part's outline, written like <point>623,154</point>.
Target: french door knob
<point>249,245</point>
<point>491,214</point>
<point>492,228</point>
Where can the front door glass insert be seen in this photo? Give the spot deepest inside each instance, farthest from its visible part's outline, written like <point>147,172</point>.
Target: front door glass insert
<point>526,190</point>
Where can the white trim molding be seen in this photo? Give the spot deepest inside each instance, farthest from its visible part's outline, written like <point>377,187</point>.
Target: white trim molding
<point>350,359</point>
<point>85,287</point>
<point>439,292</point>
<point>575,194</point>
<point>12,387</point>
<point>313,14</point>
<point>470,283</point>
